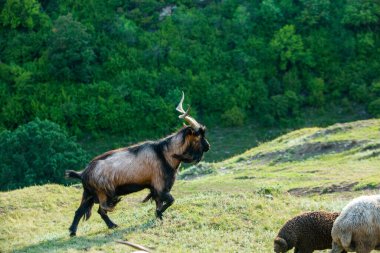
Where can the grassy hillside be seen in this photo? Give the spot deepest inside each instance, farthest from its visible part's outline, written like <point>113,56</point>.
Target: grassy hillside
<point>237,205</point>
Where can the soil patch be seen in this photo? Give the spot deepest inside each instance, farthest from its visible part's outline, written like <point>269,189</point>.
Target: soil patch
<point>331,130</point>
<point>343,187</point>
<point>371,146</point>
<point>338,128</point>
<point>307,150</point>
<point>245,177</point>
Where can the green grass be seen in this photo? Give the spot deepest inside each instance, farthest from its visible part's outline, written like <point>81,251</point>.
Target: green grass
<point>236,205</point>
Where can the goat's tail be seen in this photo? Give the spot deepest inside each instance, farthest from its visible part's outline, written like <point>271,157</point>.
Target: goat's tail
<point>73,174</point>
<point>88,200</point>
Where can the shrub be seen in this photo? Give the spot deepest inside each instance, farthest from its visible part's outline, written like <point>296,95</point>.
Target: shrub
<point>36,153</point>
<point>374,108</point>
<point>316,88</point>
<point>233,117</point>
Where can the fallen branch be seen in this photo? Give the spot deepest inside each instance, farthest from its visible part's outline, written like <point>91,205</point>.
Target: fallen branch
<point>133,245</point>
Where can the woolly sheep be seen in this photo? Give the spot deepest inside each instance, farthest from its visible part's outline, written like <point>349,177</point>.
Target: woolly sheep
<point>306,232</point>
<point>358,226</point>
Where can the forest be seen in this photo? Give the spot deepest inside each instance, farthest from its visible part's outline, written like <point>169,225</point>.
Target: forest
<point>73,69</point>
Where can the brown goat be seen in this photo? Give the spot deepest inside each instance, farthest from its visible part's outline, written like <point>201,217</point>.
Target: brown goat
<point>152,165</point>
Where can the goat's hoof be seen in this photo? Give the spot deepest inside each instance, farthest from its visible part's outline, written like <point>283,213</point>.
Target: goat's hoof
<point>112,226</point>
<point>159,215</point>
<point>72,234</point>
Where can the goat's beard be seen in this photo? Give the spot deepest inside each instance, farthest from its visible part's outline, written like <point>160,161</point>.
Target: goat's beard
<point>197,157</point>
<point>190,157</point>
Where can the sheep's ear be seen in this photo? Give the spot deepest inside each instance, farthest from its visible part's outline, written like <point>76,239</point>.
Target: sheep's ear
<point>280,245</point>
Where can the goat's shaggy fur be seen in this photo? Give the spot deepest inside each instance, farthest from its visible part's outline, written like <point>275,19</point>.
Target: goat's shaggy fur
<point>306,232</point>
<point>358,227</point>
<point>151,165</point>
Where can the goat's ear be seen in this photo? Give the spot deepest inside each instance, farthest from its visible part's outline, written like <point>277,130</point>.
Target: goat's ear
<point>202,130</point>
<point>189,131</point>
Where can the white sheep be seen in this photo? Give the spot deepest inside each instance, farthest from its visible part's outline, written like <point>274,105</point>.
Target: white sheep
<point>358,226</point>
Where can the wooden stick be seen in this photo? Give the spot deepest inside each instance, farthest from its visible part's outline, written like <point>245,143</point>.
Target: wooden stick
<point>133,245</point>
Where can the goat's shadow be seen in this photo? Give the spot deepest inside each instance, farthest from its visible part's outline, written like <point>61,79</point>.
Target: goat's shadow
<point>85,242</point>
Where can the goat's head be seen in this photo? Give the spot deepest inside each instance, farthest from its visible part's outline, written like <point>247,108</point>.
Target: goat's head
<point>194,136</point>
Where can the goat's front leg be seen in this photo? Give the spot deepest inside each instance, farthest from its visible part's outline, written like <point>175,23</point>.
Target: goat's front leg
<point>105,218</point>
<point>159,204</point>
<point>163,201</point>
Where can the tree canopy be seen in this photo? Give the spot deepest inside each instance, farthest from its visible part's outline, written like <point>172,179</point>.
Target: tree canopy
<point>119,67</point>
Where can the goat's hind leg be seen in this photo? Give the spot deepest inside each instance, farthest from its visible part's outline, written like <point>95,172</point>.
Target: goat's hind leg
<point>106,219</point>
<point>84,208</point>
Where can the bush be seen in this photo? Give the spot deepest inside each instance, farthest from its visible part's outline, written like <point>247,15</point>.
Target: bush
<point>374,108</point>
<point>233,117</point>
<point>36,153</point>
<point>316,88</point>
<point>358,92</point>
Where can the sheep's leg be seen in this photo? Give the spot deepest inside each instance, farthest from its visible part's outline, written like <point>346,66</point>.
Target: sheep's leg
<point>336,248</point>
<point>106,219</point>
<point>297,250</point>
<point>364,247</point>
<point>168,200</point>
<point>363,251</point>
<point>83,208</point>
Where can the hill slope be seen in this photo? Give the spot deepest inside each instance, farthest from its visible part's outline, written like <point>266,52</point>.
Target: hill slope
<point>237,205</point>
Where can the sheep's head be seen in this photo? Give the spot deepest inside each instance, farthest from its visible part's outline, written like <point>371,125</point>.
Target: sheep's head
<point>280,245</point>
<point>194,137</point>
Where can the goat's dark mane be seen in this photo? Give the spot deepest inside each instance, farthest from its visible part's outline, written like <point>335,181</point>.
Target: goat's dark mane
<point>135,149</point>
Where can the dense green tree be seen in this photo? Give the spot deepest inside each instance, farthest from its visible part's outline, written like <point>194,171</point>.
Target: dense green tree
<point>233,117</point>
<point>314,12</point>
<point>36,153</point>
<point>374,107</point>
<point>94,70</point>
<point>70,53</point>
<point>270,12</point>
<point>316,88</point>
<point>22,13</point>
<point>288,46</point>
<point>361,13</point>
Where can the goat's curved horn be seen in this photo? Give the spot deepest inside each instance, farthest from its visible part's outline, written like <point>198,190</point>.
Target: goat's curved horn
<point>185,114</point>
<point>180,108</point>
